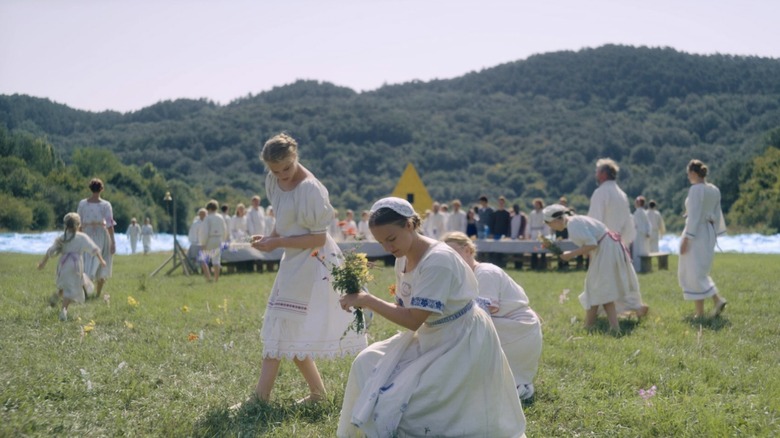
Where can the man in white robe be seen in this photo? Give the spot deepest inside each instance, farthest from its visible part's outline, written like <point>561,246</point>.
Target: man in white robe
<point>457,220</point>
<point>657,225</point>
<point>133,234</point>
<point>609,204</point>
<point>255,219</point>
<point>641,244</point>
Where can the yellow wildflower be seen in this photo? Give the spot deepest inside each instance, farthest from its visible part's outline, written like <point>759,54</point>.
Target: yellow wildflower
<point>185,309</point>
<point>132,301</point>
<point>89,327</point>
<point>129,325</point>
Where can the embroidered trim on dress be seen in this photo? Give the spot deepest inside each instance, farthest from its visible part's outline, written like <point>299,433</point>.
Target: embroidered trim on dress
<point>427,303</point>
<point>454,316</point>
<point>483,303</point>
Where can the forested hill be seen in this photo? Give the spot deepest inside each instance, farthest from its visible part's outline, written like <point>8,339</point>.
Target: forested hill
<point>531,128</point>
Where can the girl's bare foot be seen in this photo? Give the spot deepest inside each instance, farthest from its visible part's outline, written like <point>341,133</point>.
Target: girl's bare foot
<point>642,312</point>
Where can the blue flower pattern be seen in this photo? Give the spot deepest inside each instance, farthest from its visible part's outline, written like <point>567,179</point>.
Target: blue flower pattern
<point>427,303</point>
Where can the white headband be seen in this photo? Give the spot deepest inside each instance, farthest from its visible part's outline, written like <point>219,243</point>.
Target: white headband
<point>398,205</point>
<point>550,211</point>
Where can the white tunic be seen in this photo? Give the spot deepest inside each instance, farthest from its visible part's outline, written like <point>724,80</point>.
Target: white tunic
<point>96,218</point>
<point>703,224</point>
<point>609,205</point>
<point>193,232</point>
<point>239,229</point>
<point>447,378</point>
<point>146,236</point>
<point>364,231</point>
<point>457,221</point>
<point>303,317</point>
<point>133,234</point>
<point>70,269</point>
<point>536,225</point>
<point>641,244</point>
<point>255,222</point>
<point>657,228</point>
<point>518,327</point>
<point>611,276</point>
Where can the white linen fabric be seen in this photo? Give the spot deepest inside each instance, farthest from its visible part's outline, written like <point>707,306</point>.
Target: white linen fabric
<point>96,218</point>
<point>611,276</point>
<point>457,221</point>
<point>641,245</point>
<point>609,205</point>
<point>71,278</point>
<point>303,317</point>
<point>447,378</point>
<point>146,237</point>
<point>703,223</point>
<point>255,222</point>
<point>657,228</point>
<point>518,326</point>
<point>536,225</point>
<point>133,234</point>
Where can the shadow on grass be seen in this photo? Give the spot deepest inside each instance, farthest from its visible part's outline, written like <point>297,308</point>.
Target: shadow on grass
<point>255,418</point>
<point>714,323</point>
<point>627,326</point>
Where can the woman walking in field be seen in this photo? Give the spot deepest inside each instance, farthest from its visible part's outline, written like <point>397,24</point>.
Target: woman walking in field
<point>703,224</point>
<point>97,221</point>
<point>302,320</point>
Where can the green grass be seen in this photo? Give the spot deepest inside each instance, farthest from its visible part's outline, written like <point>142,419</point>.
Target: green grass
<point>716,377</point>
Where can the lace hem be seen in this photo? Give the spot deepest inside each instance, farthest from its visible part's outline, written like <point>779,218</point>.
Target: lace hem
<point>301,355</point>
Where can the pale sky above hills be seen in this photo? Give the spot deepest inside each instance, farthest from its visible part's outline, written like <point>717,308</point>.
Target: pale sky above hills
<point>124,55</point>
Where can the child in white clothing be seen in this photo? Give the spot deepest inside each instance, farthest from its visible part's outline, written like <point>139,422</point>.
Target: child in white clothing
<point>72,283</point>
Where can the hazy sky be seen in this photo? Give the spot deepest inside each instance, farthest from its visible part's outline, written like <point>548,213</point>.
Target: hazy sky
<point>126,55</point>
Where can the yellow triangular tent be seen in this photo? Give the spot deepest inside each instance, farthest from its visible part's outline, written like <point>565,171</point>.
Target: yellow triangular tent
<point>411,188</point>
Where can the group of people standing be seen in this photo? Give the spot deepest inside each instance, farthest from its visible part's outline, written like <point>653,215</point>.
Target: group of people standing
<point>136,232</point>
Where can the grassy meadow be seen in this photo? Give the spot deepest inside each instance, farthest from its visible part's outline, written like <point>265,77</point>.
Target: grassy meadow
<point>167,356</point>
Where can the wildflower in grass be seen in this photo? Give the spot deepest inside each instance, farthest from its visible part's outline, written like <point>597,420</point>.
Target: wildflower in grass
<point>107,299</point>
<point>192,337</point>
<point>564,296</point>
<point>647,394</point>
<point>89,326</point>
<point>223,306</point>
<point>132,302</point>
<point>350,277</point>
<point>129,325</point>
<point>391,289</point>
<point>218,321</point>
<point>185,309</point>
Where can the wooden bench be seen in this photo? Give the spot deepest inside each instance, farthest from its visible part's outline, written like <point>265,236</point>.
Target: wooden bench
<point>647,261</point>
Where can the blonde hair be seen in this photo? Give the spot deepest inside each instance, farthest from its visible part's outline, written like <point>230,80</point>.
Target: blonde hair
<point>279,148</point>
<point>72,222</point>
<point>461,239</point>
<point>609,167</point>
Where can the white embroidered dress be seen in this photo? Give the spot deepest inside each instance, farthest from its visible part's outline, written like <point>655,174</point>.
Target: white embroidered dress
<point>611,276</point>
<point>71,278</point>
<point>609,205</point>
<point>303,317</point>
<point>96,218</point>
<point>448,378</point>
<point>703,224</point>
<point>518,326</point>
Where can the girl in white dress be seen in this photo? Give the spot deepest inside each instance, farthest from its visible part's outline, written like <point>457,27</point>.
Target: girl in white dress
<point>71,279</point>
<point>97,221</point>
<point>518,326</point>
<point>703,224</point>
<point>446,375</point>
<point>146,235</point>
<point>302,320</point>
<point>239,229</point>
<point>611,281</point>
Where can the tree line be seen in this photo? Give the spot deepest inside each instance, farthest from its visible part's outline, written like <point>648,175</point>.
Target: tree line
<point>526,129</point>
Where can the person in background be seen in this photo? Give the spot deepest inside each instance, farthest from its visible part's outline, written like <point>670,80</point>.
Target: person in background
<point>192,235</point>
<point>609,204</point>
<point>485,218</point>
<point>133,234</point>
<point>97,221</point>
<point>239,227</point>
<point>302,320</point>
<point>537,227</point>
<point>225,213</point>
<point>457,220</point>
<point>146,235</point>
<point>334,228</point>
<point>349,227</point>
<point>471,224</point>
<point>518,326</point>
<point>611,281</point>
<point>436,222</point>
<point>703,224</point>
<point>501,220</point>
<point>518,223</point>
<point>364,232</point>
<point>270,220</point>
<point>72,281</point>
<point>657,225</point>
<point>641,245</point>
<point>255,218</point>
<point>445,374</point>
<point>212,233</point>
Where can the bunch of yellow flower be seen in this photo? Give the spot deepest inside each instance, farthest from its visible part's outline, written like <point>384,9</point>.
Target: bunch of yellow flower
<point>349,278</point>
